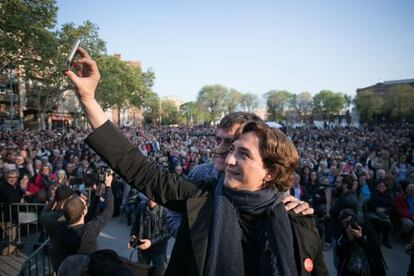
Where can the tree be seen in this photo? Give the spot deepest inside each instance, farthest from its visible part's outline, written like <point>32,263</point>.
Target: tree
<point>277,102</point>
<point>249,102</point>
<point>188,111</point>
<point>26,37</point>
<point>304,105</point>
<point>399,103</point>
<point>211,100</point>
<point>169,112</point>
<point>369,106</point>
<point>120,83</point>
<point>49,84</point>
<point>151,108</point>
<point>27,43</point>
<point>328,104</point>
<point>232,100</point>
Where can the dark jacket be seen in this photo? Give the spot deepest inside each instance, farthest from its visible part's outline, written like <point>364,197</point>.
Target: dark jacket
<point>52,221</point>
<point>82,238</point>
<point>370,245</point>
<point>9,193</point>
<point>152,224</point>
<point>194,200</point>
<point>348,200</point>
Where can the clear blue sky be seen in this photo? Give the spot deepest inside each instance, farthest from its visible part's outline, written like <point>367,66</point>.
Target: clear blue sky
<point>256,46</point>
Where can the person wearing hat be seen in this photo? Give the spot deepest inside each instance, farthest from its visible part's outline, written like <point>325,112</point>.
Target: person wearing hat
<point>52,219</point>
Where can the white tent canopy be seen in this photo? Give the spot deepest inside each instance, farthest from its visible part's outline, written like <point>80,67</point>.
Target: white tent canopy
<point>274,124</point>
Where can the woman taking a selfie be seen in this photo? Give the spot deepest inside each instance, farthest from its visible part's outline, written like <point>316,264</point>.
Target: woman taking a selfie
<point>236,226</point>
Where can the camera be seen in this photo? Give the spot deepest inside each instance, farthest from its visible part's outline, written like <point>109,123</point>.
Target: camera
<point>135,242</point>
<point>103,172</point>
<point>353,223</point>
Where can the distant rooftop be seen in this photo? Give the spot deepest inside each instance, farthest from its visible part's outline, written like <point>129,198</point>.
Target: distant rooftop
<point>398,81</point>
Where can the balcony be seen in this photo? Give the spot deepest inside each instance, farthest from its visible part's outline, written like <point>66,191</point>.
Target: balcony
<point>9,97</point>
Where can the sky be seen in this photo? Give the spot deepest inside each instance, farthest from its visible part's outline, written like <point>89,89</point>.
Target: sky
<point>256,46</point>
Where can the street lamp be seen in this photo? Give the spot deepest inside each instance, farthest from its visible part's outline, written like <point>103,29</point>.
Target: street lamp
<point>11,94</point>
<point>160,112</point>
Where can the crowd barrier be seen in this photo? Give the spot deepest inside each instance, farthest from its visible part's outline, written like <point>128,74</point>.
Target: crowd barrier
<point>15,216</point>
<point>38,263</point>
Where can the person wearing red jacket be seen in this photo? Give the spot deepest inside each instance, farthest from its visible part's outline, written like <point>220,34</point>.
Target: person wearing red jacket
<point>404,207</point>
<point>42,180</point>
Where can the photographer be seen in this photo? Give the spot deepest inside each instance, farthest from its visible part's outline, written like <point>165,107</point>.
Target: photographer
<point>150,234</point>
<point>80,237</point>
<point>380,207</point>
<point>358,248</point>
<point>52,219</point>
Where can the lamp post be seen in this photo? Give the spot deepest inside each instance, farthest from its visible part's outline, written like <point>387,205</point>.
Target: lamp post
<point>11,94</point>
<point>160,113</point>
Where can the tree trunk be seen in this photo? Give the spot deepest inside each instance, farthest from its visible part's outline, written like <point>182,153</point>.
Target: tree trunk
<point>119,117</point>
<point>42,124</point>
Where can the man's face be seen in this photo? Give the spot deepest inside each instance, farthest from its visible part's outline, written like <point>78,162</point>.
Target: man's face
<point>45,170</point>
<point>19,160</point>
<point>12,178</point>
<point>224,140</point>
<point>410,190</point>
<point>69,168</point>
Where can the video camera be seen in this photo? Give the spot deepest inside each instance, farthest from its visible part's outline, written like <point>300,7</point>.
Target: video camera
<point>353,223</point>
<point>135,242</point>
<point>103,172</point>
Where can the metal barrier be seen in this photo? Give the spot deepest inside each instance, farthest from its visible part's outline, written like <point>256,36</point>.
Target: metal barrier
<point>38,263</point>
<point>13,216</point>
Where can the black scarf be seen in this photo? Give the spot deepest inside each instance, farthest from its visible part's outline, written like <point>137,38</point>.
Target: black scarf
<point>225,252</point>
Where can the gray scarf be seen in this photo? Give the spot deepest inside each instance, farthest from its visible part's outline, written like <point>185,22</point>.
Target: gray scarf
<point>225,252</point>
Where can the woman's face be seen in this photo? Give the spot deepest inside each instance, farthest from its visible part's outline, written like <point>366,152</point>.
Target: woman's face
<point>313,175</point>
<point>245,169</point>
<point>24,182</point>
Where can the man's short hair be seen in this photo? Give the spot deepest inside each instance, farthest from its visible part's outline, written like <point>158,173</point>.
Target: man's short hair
<point>73,209</point>
<point>63,192</point>
<point>234,118</point>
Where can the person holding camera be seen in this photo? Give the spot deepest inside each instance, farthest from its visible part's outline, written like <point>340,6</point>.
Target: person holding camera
<point>150,234</point>
<point>358,248</point>
<point>78,236</point>
<point>380,207</point>
<point>52,219</point>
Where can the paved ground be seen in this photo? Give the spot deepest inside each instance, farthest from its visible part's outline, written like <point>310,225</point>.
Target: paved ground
<point>116,235</point>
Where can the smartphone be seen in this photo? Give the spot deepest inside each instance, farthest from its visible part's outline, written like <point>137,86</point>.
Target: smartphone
<point>72,55</point>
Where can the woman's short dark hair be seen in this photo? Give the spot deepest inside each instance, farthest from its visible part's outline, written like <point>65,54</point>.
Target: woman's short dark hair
<point>278,154</point>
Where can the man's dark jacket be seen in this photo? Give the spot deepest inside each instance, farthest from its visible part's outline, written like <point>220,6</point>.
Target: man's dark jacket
<point>194,200</point>
<point>82,238</point>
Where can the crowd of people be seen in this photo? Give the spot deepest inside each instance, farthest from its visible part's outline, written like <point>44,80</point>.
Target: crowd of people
<point>223,191</point>
<point>380,161</point>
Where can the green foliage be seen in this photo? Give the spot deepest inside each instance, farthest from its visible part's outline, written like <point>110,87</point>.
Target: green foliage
<point>399,103</point>
<point>189,111</point>
<point>88,33</point>
<point>151,108</point>
<point>211,100</point>
<point>231,100</point>
<point>26,38</point>
<point>369,106</point>
<point>169,113</point>
<point>249,102</point>
<point>328,104</point>
<point>304,105</point>
<point>277,103</point>
<point>118,82</point>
